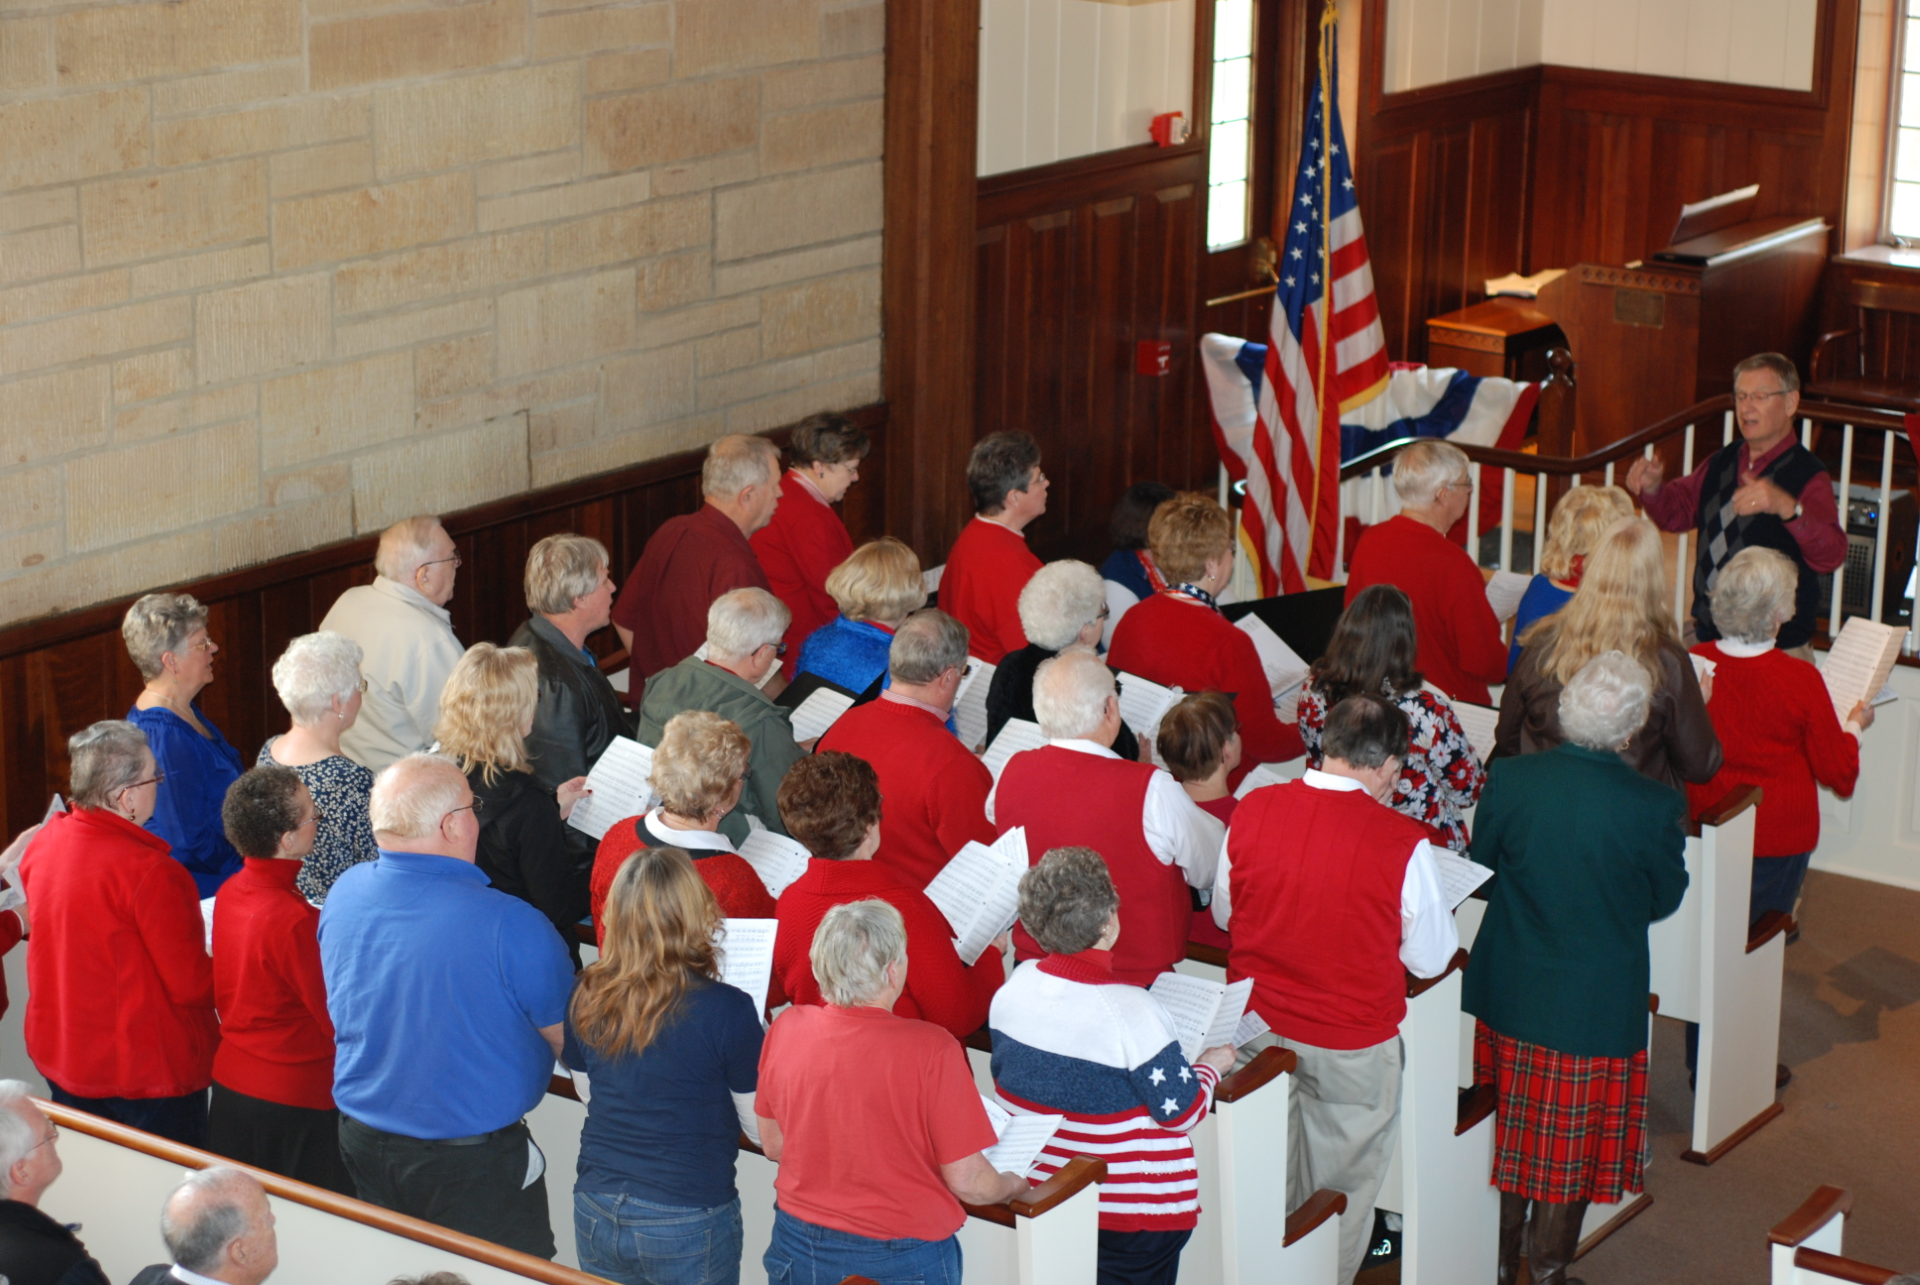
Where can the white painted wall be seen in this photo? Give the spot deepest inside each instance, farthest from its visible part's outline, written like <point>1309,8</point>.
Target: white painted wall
<point>1743,42</point>
<point>1065,78</point>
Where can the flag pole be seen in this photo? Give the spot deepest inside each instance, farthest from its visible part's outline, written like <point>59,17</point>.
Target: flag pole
<point>1328,16</point>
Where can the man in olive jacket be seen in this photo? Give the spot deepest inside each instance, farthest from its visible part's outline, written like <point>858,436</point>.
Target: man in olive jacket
<point>744,631</point>
<point>1588,853</point>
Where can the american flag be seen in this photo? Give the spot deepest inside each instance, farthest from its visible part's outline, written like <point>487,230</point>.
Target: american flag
<point>1292,504</point>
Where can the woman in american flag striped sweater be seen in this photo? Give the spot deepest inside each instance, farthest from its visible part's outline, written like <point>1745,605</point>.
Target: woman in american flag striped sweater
<point>1068,1038</point>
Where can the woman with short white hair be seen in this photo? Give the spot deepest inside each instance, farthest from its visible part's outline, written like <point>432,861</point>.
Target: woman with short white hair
<point>1589,855</point>
<point>1062,608</point>
<point>318,680</point>
<point>871,1181</point>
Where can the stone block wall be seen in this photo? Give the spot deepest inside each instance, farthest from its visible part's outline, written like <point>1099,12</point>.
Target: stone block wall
<point>274,273</point>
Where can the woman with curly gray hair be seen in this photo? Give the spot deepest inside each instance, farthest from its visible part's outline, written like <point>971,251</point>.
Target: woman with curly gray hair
<point>166,635</point>
<point>318,679</point>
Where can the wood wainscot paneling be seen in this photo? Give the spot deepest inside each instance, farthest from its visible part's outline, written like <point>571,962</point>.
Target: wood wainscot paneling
<point>61,674</point>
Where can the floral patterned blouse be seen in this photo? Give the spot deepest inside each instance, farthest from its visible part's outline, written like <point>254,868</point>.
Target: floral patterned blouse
<point>1442,775</point>
<point>341,791</point>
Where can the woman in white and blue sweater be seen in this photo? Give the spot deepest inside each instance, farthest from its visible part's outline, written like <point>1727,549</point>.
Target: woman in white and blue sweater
<point>1070,1038</point>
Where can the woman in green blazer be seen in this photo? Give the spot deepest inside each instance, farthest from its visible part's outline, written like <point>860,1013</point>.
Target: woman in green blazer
<point>1589,853</point>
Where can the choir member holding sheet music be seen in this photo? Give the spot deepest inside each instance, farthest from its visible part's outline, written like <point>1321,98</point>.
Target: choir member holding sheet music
<point>1199,741</point>
<point>1579,520</point>
<point>873,1119</point>
<point>832,805</point>
<point>806,539</point>
<point>486,711</point>
<point>1622,605</point>
<point>1063,608</point>
<point>698,769</point>
<point>1588,854</point>
<point>936,790</point>
<point>1178,638</point>
<point>744,628</point>
<point>1777,724</point>
<point>876,588</point>
<point>1332,898</point>
<point>1373,653</point>
<point>1461,650</point>
<point>672,1055</point>
<point>990,562</point>
<point>1071,1038</point>
<point>1075,791</point>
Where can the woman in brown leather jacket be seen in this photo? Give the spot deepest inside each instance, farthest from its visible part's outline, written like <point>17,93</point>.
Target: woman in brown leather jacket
<point>1621,604</point>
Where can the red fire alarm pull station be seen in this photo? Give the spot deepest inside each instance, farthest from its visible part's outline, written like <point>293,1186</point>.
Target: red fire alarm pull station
<point>1169,129</point>
<point>1153,357</point>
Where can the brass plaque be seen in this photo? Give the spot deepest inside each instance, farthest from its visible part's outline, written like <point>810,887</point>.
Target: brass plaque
<point>1640,308</point>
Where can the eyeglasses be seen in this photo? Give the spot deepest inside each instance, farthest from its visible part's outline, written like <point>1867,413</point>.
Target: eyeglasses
<point>53,1135</point>
<point>473,807</point>
<point>455,560</point>
<point>158,778</point>
<point>779,648</point>
<point>1754,399</point>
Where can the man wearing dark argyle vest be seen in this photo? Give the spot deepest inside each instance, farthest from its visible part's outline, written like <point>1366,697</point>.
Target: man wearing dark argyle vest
<point>1764,490</point>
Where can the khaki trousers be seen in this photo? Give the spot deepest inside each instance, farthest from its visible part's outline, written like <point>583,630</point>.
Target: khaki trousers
<point>1340,1130</point>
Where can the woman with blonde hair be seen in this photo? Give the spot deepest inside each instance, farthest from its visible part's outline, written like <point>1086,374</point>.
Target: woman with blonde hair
<point>1621,605</point>
<point>486,713</point>
<point>1579,520</point>
<point>876,588</point>
<point>673,1055</point>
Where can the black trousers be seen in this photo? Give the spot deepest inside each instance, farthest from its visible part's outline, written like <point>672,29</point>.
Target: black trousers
<point>182,1119</point>
<point>477,1186</point>
<point>296,1142</point>
<point>1140,1257</point>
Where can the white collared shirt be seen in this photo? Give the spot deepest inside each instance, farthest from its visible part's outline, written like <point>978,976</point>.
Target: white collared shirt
<point>1176,830</point>
<point>1428,936</point>
<point>1743,650</point>
<point>408,650</point>
<point>180,1273</point>
<point>704,840</point>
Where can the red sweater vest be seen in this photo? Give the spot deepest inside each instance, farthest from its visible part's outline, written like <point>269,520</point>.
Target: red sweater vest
<point>1315,885</point>
<point>936,790</point>
<point>1066,798</point>
<point>805,541</point>
<point>987,568</point>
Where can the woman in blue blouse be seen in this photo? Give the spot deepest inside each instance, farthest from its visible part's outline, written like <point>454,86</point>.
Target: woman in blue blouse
<point>876,588</point>
<point>166,635</point>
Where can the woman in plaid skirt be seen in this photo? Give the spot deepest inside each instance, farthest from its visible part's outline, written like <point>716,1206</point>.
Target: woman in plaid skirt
<point>1588,853</point>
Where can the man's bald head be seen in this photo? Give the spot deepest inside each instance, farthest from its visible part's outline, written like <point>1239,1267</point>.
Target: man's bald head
<point>423,804</point>
<point>218,1224</point>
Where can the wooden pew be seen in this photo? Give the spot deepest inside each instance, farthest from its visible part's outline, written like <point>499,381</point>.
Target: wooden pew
<point>1051,1237</point>
<point>1708,969</point>
<point>1805,1246</point>
<point>116,1180</point>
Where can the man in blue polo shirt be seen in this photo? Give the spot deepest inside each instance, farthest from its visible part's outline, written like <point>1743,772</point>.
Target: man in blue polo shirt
<point>448,1000</point>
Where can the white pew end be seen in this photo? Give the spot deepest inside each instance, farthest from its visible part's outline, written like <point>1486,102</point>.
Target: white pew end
<point>1805,1246</point>
<point>116,1179</point>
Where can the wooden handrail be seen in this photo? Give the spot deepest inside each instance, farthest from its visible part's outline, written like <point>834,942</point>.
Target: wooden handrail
<point>981,1039</point>
<point>562,1087</point>
<point>327,1202</point>
<point>1214,955</point>
<point>1771,925</point>
<point>1815,1212</point>
<point>1417,986</point>
<point>1078,1174</point>
<point>1477,1104</point>
<point>1320,1206</point>
<point>1846,1269</point>
<point>1737,800</point>
<point>1268,1065</point>
<point>1631,445</point>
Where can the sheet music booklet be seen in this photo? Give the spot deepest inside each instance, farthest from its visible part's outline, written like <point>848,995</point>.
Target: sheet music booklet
<point>1857,667</point>
<point>1143,704</point>
<point>970,704</point>
<point>1504,593</point>
<point>777,859</point>
<point>1206,1014</point>
<point>1022,1138</point>
<point>979,891</point>
<point>1285,669</point>
<point>1480,723</point>
<point>1016,735</point>
<point>54,809</point>
<point>1265,774</point>
<point>1458,876</point>
<point>818,712</point>
<point>619,785</point>
<point>746,957</point>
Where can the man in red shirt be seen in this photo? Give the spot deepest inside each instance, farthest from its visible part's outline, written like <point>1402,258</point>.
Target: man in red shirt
<point>1460,646</point>
<point>1765,491</point>
<point>661,614</point>
<point>806,539</point>
<point>990,563</point>
<point>936,790</point>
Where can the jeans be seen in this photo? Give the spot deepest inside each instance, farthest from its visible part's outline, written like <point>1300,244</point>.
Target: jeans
<point>804,1254</point>
<point>636,1242</point>
<point>181,1119</point>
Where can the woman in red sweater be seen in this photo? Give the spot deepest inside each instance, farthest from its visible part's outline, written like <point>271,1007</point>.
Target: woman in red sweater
<point>1777,726</point>
<point>806,538</point>
<point>1178,638</point>
<point>120,1015</point>
<point>699,769</point>
<point>273,1075</point>
<point>831,803</point>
